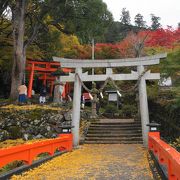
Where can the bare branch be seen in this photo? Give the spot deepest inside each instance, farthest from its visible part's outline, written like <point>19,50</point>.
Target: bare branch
<point>138,48</point>
<point>33,36</point>
<point>60,28</point>
<point>3,5</point>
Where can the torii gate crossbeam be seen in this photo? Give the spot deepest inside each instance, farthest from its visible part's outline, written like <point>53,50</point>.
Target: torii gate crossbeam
<point>108,64</point>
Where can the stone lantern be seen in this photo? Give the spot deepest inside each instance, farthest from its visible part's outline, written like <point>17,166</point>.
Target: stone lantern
<point>153,126</point>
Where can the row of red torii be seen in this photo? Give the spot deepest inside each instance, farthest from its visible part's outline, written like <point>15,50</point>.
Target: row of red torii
<point>44,70</point>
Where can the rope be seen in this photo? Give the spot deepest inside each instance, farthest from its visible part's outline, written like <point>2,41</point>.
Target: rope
<point>109,79</point>
<point>104,85</point>
<point>82,83</point>
<point>132,88</point>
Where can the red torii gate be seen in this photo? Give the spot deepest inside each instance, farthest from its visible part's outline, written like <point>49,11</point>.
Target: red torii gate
<point>44,68</point>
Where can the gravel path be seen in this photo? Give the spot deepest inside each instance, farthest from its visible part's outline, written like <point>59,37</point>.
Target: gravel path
<point>95,162</point>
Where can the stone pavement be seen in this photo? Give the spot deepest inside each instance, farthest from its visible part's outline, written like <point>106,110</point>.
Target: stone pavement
<point>95,162</point>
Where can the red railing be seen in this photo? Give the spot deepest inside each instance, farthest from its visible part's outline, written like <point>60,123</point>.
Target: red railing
<point>166,155</point>
<point>28,152</point>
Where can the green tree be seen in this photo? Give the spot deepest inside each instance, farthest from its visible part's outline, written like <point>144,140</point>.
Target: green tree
<point>22,34</point>
<point>6,51</point>
<point>118,31</point>
<point>30,22</point>
<point>139,21</point>
<point>125,17</point>
<point>179,25</point>
<point>86,19</point>
<point>155,22</point>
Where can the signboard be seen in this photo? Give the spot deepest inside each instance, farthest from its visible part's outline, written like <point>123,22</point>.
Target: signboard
<point>113,97</point>
<point>165,82</point>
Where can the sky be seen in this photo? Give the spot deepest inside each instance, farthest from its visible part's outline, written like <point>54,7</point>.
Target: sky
<point>167,10</point>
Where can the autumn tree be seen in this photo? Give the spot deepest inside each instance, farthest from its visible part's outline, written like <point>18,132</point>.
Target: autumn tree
<point>134,43</point>
<point>107,51</point>
<point>164,38</point>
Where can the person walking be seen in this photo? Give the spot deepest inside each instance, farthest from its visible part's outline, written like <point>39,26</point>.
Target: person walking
<point>22,90</point>
<point>43,92</point>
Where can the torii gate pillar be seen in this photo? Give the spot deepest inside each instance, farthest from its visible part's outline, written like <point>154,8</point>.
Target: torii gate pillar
<point>76,108</point>
<point>143,106</point>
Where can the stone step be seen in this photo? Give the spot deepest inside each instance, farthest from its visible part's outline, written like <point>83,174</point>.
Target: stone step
<point>114,138</point>
<point>116,120</point>
<point>100,123</point>
<point>115,126</point>
<point>114,142</point>
<point>133,131</point>
<point>114,135</point>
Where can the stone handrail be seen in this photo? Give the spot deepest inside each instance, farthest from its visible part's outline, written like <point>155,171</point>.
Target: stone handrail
<point>28,152</point>
<point>165,154</point>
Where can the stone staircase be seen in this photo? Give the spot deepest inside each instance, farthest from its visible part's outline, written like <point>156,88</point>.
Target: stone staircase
<point>115,132</point>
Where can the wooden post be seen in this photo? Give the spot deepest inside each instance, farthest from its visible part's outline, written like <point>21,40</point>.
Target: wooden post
<point>44,80</point>
<point>143,106</point>
<point>31,81</point>
<point>76,108</point>
<point>93,53</point>
<point>51,88</point>
<point>117,101</point>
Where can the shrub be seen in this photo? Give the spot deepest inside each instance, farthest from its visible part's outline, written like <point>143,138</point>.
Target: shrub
<point>128,111</point>
<point>111,109</point>
<point>176,144</point>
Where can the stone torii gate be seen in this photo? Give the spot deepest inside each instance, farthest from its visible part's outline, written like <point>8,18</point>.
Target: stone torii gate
<point>140,62</point>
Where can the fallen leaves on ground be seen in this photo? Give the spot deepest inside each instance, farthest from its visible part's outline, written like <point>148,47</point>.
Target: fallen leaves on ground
<point>118,161</point>
<point>9,143</point>
<point>29,107</point>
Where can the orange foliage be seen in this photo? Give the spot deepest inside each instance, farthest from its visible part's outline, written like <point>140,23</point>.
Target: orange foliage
<point>163,37</point>
<point>159,40</point>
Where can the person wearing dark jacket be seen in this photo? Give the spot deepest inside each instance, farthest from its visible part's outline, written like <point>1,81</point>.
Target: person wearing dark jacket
<point>43,92</point>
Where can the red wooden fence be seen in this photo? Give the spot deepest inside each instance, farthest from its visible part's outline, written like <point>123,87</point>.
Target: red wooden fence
<point>166,155</point>
<point>28,152</point>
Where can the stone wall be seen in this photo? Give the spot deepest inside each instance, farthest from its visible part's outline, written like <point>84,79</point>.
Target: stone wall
<point>38,122</point>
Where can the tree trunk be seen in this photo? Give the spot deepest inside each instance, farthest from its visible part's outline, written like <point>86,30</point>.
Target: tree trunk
<point>18,21</point>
